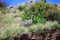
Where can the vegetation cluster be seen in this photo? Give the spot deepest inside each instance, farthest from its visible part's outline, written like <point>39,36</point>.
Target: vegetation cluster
<point>46,16</point>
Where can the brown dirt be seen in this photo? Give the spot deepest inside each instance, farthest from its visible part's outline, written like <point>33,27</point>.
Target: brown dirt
<point>47,35</point>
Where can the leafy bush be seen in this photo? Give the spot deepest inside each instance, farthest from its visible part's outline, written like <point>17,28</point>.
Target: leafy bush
<point>21,7</point>
<point>4,11</point>
<point>2,4</point>
<point>42,12</point>
<point>38,9</point>
<point>52,13</point>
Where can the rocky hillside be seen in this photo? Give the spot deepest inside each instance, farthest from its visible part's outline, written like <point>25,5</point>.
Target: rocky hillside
<point>39,22</point>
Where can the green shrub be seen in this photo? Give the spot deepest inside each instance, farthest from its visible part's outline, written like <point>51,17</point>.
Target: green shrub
<point>53,13</point>
<point>38,10</point>
<point>21,7</point>
<point>4,12</point>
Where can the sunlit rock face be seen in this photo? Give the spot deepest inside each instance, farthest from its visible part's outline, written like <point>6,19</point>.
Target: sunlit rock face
<point>29,3</point>
<point>12,8</point>
<point>58,6</point>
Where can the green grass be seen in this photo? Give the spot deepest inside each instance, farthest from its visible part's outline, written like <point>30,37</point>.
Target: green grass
<point>8,22</point>
<point>10,30</point>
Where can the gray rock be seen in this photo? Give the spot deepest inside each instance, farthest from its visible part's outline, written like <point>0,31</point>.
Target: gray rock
<point>27,22</point>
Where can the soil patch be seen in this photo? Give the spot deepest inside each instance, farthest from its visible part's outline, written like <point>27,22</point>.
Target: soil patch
<point>47,35</point>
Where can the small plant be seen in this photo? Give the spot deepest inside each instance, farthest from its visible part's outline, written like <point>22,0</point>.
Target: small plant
<point>4,12</point>
<point>21,7</point>
<point>37,10</point>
